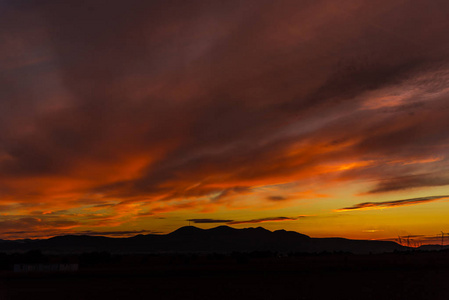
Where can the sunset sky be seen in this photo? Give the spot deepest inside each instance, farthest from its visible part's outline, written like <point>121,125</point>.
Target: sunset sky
<point>330,118</point>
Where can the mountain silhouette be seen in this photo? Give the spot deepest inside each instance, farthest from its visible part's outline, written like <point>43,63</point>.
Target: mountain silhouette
<point>221,239</point>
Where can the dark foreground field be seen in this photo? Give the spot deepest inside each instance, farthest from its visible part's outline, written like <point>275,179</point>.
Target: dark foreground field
<point>241,276</point>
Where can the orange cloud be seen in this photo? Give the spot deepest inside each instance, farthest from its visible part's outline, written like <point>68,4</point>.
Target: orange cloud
<point>154,107</point>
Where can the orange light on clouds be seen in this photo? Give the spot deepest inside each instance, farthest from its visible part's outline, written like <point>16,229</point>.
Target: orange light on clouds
<point>223,110</point>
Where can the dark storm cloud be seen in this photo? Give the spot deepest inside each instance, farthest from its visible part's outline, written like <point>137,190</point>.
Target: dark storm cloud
<point>162,100</point>
<point>394,203</point>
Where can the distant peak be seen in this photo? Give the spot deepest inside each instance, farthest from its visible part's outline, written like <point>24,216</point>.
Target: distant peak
<point>223,228</point>
<point>259,228</point>
<point>187,230</point>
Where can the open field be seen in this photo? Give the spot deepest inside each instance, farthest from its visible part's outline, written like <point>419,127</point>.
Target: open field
<point>241,276</point>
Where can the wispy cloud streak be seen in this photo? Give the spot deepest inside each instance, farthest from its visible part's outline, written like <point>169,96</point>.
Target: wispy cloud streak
<point>263,220</point>
<point>208,221</point>
<point>394,203</point>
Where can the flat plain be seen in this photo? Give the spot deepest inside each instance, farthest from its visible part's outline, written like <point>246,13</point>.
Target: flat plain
<point>409,275</point>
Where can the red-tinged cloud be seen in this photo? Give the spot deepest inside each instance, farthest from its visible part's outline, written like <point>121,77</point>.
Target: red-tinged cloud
<point>394,203</point>
<point>162,106</point>
<point>34,226</point>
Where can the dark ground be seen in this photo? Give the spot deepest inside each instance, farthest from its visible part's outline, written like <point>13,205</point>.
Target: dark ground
<point>239,276</point>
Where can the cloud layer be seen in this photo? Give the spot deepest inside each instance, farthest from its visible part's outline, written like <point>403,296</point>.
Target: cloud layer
<point>163,106</point>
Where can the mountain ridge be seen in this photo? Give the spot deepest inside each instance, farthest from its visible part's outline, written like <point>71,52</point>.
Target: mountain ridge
<point>193,239</point>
